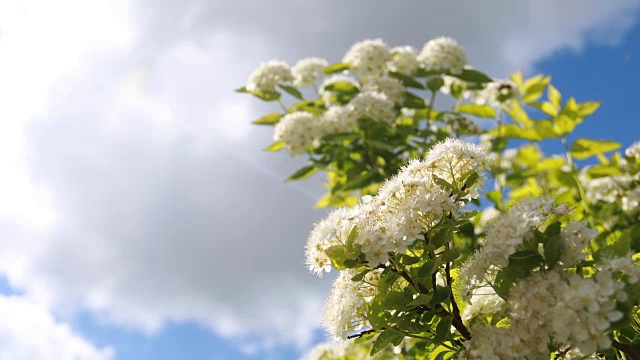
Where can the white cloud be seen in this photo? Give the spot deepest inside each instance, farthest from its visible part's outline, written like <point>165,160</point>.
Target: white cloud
<point>138,191</point>
<point>29,332</point>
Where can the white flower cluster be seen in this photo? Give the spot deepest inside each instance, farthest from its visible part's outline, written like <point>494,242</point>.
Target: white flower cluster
<point>267,75</point>
<point>389,86</point>
<point>623,187</point>
<point>499,94</point>
<point>368,57</point>
<point>404,59</point>
<point>576,237</point>
<point>443,53</point>
<point>550,307</point>
<point>342,312</point>
<point>633,151</point>
<point>306,71</point>
<point>406,205</point>
<point>375,105</point>
<point>344,350</point>
<point>484,301</point>
<point>460,157</point>
<point>300,130</point>
<point>506,233</point>
<point>460,124</point>
<point>297,131</point>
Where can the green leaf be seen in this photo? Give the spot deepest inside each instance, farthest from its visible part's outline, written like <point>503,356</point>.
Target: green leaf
<point>444,184</point>
<point>276,146</point>
<point>585,148</point>
<point>443,330</point>
<point>269,119</point>
<point>241,90</point>
<point>338,255</point>
<point>469,215</point>
<point>343,87</point>
<point>484,111</point>
<point>471,180</point>
<point>441,294</point>
<point>544,128</point>
<point>563,124</point>
<point>515,132</point>
<point>269,95</point>
<point>385,338</point>
<point>525,259</point>
<point>495,196</point>
<point>407,80</point>
<point>554,97</point>
<point>291,91</point>
<point>360,275</point>
<point>413,101</point>
<point>553,229</point>
<point>435,83</point>
<point>506,278</point>
<point>362,181</point>
<point>473,76</point>
<point>380,145</point>
<point>302,173</point>
<point>587,108</point>
<point>450,255</point>
<point>364,338</point>
<point>534,87</point>
<point>519,115</point>
<point>553,249</point>
<point>601,170</point>
<point>618,244</point>
<point>353,234</point>
<point>316,107</point>
<point>336,200</point>
<point>422,299</point>
<point>335,68</point>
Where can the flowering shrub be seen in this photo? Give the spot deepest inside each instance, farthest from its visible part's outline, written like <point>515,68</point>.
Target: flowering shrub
<point>548,267</point>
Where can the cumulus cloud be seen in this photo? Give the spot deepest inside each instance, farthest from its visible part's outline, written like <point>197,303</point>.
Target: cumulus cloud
<point>29,332</point>
<point>138,190</point>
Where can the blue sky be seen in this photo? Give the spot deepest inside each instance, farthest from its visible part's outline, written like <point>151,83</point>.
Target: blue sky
<point>139,217</point>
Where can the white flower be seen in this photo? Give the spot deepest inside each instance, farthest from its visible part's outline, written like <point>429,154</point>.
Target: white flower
<point>484,301</point>
<point>368,57</point>
<point>374,105</point>
<point>306,71</point>
<point>576,236</point>
<point>337,119</point>
<point>451,158</point>
<point>404,59</point>
<point>443,53</point>
<point>332,230</point>
<point>297,131</point>
<point>391,87</point>
<point>341,315</point>
<point>267,75</point>
<point>508,231</point>
<point>633,150</point>
<point>499,93</point>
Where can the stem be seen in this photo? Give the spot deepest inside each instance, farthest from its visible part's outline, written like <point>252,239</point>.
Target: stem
<point>457,323</point>
<point>361,334</point>
<point>400,270</point>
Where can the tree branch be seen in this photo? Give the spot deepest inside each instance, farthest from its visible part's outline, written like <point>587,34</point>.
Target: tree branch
<point>627,349</point>
<point>361,334</point>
